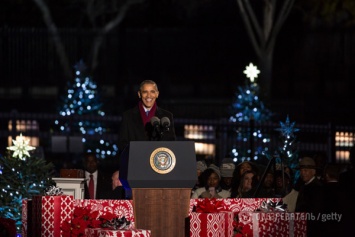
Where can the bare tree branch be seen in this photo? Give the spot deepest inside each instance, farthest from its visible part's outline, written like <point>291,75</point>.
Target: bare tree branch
<point>96,11</point>
<point>56,37</point>
<point>107,28</point>
<point>249,28</point>
<point>268,18</point>
<point>263,40</point>
<point>285,11</point>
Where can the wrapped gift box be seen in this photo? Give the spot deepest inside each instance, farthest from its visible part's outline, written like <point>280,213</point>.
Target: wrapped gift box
<point>26,218</point>
<point>7,227</point>
<point>237,204</point>
<point>211,224</point>
<point>98,232</point>
<point>49,213</point>
<point>276,224</point>
<point>120,208</point>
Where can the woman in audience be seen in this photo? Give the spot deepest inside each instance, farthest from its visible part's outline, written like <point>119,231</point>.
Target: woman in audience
<point>247,186</point>
<point>212,188</point>
<point>240,169</point>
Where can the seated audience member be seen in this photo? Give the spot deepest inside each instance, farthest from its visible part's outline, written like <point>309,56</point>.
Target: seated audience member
<point>240,169</point>
<point>212,188</point>
<point>283,183</point>
<point>227,168</point>
<point>267,189</point>
<point>247,185</point>
<point>288,171</point>
<point>311,196</point>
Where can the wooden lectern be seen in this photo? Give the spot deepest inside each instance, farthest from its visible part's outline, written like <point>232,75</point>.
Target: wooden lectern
<point>161,175</point>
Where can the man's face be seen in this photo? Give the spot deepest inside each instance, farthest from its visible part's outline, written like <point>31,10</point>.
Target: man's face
<point>279,182</point>
<point>91,164</point>
<point>148,94</point>
<point>269,180</point>
<point>227,180</point>
<point>307,174</point>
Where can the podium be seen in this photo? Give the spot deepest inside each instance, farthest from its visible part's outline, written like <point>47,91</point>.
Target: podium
<point>161,175</point>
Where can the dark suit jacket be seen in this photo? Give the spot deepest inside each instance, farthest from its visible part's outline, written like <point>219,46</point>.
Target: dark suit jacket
<point>311,199</point>
<point>117,193</point>
<point>103,186</point>
<point>133,129</point>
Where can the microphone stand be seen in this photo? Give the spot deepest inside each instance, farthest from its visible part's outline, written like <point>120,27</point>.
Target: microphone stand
<point>156,133</point>
<point>162,132</point>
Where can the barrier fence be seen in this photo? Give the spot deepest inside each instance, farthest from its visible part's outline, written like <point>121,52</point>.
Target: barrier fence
<point>213,137</point>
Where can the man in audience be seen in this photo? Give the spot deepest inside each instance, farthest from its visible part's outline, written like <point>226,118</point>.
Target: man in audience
<point>97,184</point>
<point>227,168</point>
<point>310,196</point>
<point>267,189</point>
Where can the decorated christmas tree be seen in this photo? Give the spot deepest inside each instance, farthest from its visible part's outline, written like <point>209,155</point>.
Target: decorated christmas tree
<point>83,99</point>
<point>250,110</point>
<point>21,177</point>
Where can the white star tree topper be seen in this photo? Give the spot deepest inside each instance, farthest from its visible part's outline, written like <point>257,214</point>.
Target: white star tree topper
<point>251,72</point>
<point>21,147</point>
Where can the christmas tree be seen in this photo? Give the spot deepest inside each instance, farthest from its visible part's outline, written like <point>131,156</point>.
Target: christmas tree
<point>21,177</point>
<point>249,109</point>
<point>83,98</point>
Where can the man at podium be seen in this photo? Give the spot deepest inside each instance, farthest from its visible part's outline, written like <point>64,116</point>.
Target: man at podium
<point>146,121</point>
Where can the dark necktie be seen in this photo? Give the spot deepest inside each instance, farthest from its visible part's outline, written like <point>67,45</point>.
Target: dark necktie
<point>147,112</point>
<point>91,187</point>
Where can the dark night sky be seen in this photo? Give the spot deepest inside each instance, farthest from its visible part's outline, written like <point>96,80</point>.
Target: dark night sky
<point>297,88</point>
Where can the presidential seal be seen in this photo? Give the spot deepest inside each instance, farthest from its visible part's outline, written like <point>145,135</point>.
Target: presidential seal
<point>162,160</point>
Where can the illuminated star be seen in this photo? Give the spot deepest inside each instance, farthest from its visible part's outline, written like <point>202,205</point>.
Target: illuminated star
<point>287,129</point>
<point>251,71</point>
<point>21,147</point>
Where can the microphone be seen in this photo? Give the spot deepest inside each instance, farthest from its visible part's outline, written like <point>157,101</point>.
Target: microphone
<point>165,122</point>
<point>212,191</point>
<point>155,121</point>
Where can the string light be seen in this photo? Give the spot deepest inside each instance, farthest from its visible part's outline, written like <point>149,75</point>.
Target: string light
<point>83,98</point>
<point>248,107</point>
